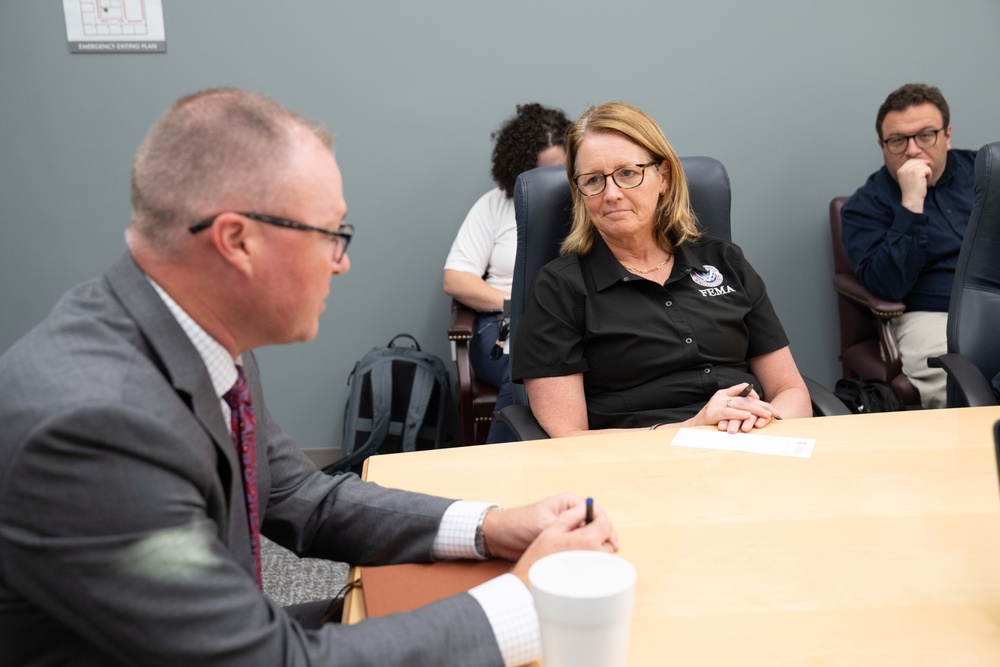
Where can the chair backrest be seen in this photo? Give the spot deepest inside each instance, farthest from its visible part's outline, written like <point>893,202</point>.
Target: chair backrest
<point>996,446</point>
<point>975,295</point>
<point>543,206</point>
<point>841,262</point>
<point>856,323</point>
<point>859,336</point>
<point>868,347</point>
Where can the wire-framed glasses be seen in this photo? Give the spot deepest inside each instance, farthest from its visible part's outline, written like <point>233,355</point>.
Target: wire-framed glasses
<point>626,178</point>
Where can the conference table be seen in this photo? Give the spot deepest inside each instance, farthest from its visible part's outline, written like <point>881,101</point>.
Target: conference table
<point>881,548</point>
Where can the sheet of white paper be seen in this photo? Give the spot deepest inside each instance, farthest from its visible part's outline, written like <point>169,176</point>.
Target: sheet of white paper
<point>742,442</point>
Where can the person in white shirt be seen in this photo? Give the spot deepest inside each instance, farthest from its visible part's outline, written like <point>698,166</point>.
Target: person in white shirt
<point>480,266</point>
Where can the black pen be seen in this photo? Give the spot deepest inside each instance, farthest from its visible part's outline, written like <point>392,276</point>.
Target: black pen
<point>746,392</point>
<point>590,510</point>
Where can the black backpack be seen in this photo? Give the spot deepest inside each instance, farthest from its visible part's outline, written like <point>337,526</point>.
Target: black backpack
<point>397,403</point>
<point>864,396</point>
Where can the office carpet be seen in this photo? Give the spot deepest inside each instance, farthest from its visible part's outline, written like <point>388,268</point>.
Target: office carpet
<point>289,579</point>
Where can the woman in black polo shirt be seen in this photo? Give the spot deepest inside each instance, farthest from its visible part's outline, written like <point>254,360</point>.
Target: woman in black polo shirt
<point>642,320</point>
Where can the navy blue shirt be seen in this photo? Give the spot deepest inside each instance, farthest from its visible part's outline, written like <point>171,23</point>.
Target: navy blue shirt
<point>904,256</point>
<point>649,353</point>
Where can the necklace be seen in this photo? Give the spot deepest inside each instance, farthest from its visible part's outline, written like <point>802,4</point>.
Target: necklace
<point>645,271</point>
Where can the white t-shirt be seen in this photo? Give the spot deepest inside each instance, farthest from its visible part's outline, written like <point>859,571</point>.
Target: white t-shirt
<point>487,241</point>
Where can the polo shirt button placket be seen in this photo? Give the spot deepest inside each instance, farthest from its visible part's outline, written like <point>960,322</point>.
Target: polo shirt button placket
<point>688,340</point>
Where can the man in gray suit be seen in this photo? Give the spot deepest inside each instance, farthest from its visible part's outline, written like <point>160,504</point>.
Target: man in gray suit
<point>125,533</point>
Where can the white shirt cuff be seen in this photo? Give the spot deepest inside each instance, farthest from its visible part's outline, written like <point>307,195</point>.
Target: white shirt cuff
<point>511,612</point>
<point>456,536</point>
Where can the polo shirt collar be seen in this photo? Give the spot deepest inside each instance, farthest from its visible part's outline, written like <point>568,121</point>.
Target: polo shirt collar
<point>607,270</point>
<point>685,262</point>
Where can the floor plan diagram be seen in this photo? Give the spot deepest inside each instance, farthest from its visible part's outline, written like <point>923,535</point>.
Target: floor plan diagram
<point>115,26</point>
<point>113,17</point>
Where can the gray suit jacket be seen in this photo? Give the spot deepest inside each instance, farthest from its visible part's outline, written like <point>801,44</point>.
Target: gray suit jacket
<point>123,531</point>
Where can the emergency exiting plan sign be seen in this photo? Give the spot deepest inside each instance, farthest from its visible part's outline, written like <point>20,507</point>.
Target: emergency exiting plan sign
<point>115,26</point>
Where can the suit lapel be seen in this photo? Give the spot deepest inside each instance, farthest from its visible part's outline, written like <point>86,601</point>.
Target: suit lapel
<point>180,362</point>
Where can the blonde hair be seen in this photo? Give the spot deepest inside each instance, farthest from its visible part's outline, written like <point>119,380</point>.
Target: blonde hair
<point>675,221</point>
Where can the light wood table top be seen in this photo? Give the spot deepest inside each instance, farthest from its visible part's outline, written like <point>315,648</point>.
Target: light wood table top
<point>883,548</point>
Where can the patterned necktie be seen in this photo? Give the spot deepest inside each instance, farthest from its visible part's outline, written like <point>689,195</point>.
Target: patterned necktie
<point>244,437</point>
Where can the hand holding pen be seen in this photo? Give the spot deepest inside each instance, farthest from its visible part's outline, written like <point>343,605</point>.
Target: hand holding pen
<point>746,392</point>
<point>738,414</point>
<point>579,525</point>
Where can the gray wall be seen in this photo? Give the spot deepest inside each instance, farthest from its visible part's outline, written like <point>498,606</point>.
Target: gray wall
<point>784,92</point>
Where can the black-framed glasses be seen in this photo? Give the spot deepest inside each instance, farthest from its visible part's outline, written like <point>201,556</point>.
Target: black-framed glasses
<point>626,178</point>
<point>340,237</point>
<point>923,139</point>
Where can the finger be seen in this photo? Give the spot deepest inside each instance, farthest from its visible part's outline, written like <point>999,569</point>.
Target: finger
<point>597,533</point>
<point>564,501</point>
<point>612,541</point>
<point>598,513</point>
<point>571,518</point>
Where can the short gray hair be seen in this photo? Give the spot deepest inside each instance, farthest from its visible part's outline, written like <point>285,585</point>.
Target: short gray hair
<point>215,150</point>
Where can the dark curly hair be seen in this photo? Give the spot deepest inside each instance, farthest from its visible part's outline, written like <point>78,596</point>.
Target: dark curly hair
<point>911,95</point>
<point>521,138</point>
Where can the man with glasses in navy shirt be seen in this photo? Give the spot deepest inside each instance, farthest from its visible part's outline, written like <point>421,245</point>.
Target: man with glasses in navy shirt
<point>903,229</point>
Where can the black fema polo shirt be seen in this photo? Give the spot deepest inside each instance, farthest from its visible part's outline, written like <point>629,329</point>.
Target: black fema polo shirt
<point>649,353</point>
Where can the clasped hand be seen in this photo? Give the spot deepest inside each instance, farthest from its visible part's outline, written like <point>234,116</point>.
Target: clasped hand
<point>734,412</point>
<point>525,534</point>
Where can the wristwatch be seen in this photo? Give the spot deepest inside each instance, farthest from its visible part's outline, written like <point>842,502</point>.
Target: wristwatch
<point>481,547</point>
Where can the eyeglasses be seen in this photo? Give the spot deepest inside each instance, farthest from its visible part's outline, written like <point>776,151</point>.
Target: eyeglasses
<point>923,139</point>
<point>625,178</point>
<point>340,237</point>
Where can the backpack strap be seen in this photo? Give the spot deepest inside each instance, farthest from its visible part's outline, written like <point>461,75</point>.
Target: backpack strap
<point>420,398</point>
<point>381,394</point>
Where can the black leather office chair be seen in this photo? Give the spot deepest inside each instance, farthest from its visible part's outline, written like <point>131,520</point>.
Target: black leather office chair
<point>996,445</point>
<point>973,357</point>
<point>543,205</point>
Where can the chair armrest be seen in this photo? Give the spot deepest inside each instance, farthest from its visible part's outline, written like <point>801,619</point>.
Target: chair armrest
<point>824,402</point>
<point>522,422</point>
<point>967,380</point>
<point>849,286</point>
<point>462,321</point>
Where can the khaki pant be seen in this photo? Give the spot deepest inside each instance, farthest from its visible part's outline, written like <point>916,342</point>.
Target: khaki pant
<point>921,335</point>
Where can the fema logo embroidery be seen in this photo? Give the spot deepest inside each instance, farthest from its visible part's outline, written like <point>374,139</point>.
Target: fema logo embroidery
<point>710,278</point>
